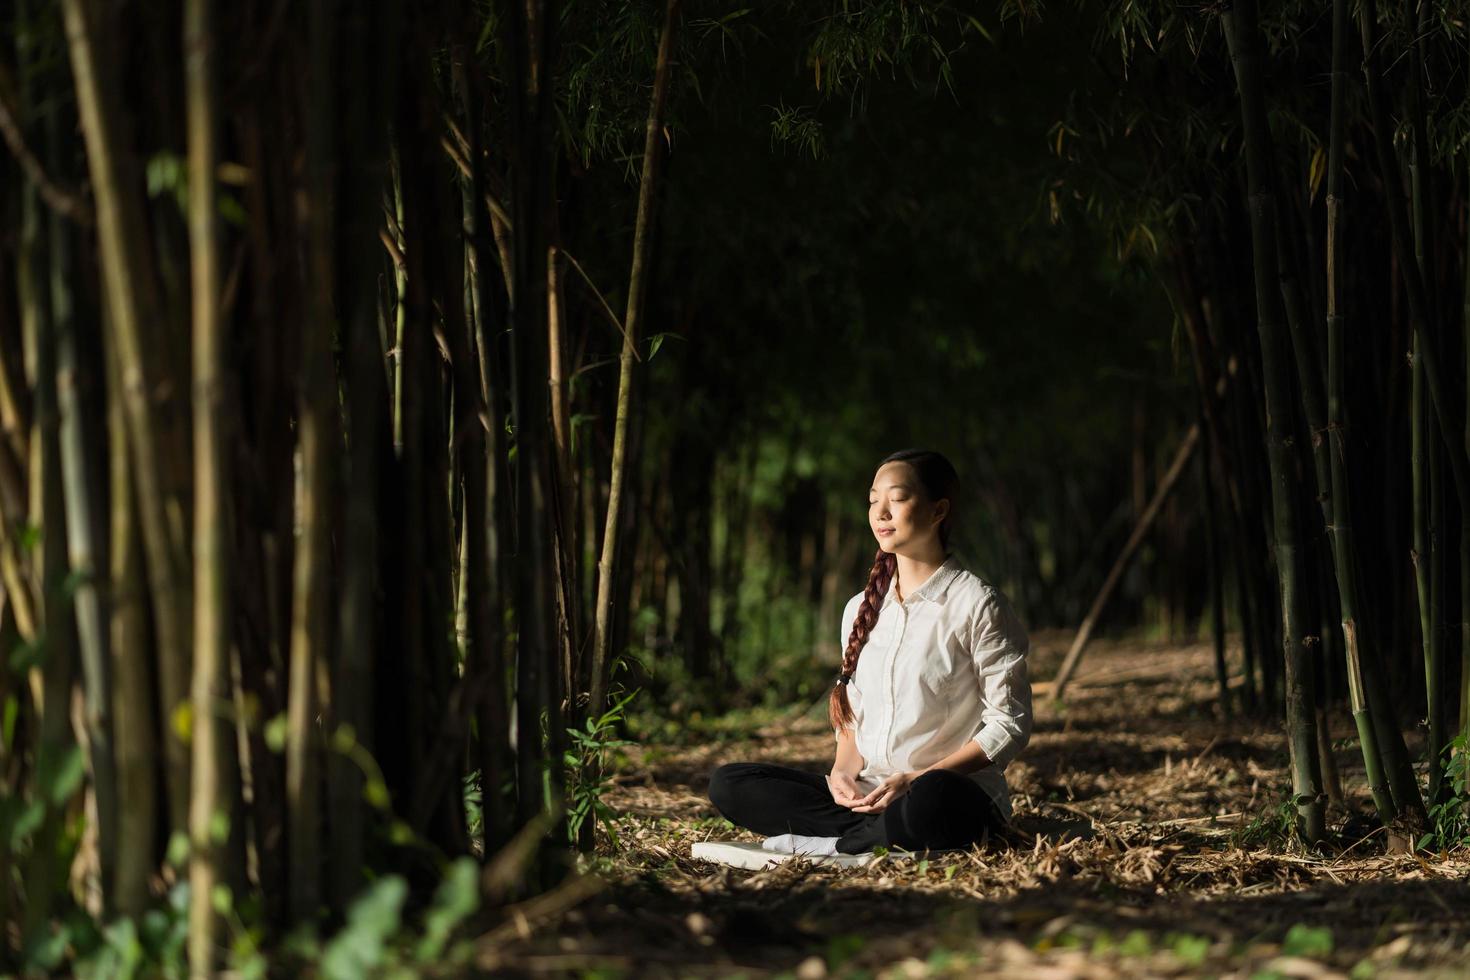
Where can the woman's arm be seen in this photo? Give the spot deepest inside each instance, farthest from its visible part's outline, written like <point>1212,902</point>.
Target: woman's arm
<point>964,760</point>
<point>998,647</point>
<point>842,782</point>
<point>848,760</point>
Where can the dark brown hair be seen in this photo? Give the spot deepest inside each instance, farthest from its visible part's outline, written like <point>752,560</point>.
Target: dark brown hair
<point>939,481</point>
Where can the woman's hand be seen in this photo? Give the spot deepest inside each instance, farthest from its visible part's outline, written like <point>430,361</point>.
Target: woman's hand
<point>843,787</point>
<point>889,790</point>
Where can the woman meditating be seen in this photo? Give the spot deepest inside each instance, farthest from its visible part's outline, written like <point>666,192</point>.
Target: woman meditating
<point>932,702</point>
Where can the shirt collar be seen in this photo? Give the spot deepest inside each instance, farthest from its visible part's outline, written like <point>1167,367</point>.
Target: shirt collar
<point>934,586</point>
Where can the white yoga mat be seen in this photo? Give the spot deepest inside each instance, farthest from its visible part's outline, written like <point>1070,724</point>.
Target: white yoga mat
<point>753,857</point>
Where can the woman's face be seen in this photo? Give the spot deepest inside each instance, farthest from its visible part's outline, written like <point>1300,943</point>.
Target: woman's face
<point>902,519</point>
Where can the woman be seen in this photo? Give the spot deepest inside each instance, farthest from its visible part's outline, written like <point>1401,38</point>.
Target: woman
<point>927,720</point>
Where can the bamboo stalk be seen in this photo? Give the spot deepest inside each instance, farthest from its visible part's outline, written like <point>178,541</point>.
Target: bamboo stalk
<point>1340,525</point>
<point>564,497</point>
<point>446,294</point>
<point>1405,787</point>
<point>410,591</point>
<point>213,736</point>
<point>400,306</point>
<point>648,188</point>
<point>134,705</point>
<point>1243,38</point>
<point>369,69</point>
<point>1436,667</point>
<point>528,43</point>
<point>51,682</point>
<point>486,565</point>
<point>62,200</point>
<point>1421,469</point>
<point>1120,564</point>
<point>76,400</point>
<point>1464,716</point>
<point>1217,585</point>
<point>310,626</point>
<point>135,316</point>
<point>1430,580</point>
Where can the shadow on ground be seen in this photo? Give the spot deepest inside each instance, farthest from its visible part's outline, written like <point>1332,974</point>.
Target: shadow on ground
<point>1147,841</point>
<point>755,925</point>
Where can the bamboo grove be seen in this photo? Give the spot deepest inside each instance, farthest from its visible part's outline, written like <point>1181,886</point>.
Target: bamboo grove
<point>1301,196</point>
<point>370,392</point>
<point>298,544</point>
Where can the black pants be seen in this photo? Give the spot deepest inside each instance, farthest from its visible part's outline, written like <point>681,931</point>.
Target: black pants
<point>941,809</point>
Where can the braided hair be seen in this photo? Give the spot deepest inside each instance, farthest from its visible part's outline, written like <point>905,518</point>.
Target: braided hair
<point>939,481</point>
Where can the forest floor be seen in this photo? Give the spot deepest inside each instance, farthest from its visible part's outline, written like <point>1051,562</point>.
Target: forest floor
<point>1149,840</point>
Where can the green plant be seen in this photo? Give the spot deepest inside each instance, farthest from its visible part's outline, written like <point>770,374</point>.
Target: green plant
<point>1271,828</point>
<point>1189,949</point>
<point>474,810</point>
<point>1311,942</point>
<point>842,948</point>
<point>1449,819</point>
<point>588,779</point>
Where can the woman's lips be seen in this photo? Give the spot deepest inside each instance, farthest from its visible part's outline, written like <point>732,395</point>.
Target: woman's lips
<point>882,531</point>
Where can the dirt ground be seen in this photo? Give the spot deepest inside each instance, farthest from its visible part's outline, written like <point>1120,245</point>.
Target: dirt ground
<point>1148,841</point>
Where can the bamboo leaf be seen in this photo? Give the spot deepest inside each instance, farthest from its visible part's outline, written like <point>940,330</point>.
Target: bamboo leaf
<point>457,897</point>
<point>275,733</point>
<point>975,23</point>
<point>178,849</point>
<point>183,721</point>
<point>58,774</point>
<point>26,655</point>
<point>1316,172</point>
<point>344,739</point>
<point>219,827</point>
<point>358,949</point>
<point>375,791</point>
<point>26,820</point>
<point>45,952</point>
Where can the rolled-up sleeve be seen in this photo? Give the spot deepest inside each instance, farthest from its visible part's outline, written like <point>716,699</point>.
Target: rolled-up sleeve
<point>998,647</point>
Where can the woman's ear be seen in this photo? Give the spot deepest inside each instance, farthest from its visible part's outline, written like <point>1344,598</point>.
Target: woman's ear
<point>941,510</point>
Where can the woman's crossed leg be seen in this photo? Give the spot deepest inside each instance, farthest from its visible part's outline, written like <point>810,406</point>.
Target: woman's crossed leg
<point>942,809</point>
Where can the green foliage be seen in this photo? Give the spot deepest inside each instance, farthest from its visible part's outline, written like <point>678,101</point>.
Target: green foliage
<point>798,128</point>
<point>1190,950</point>
<point>607,66</point>
<point>1450,818</point>
<point>1312,942</point>
<point>1136,943</point>
<point>360,947</point>
<point>376,939</point>
<point>842,948</point>
<point>588,778</point>
<point>59,772</point>
<point>1274,828</point>
<point>474,805</point>
<point>1187,949</point>
<point>457,898</point>
<point>860,42</point>
<point>152,945</point>
<point>275,732</point>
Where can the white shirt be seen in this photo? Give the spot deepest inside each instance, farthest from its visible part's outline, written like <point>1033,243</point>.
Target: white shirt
<point>942,668</point>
